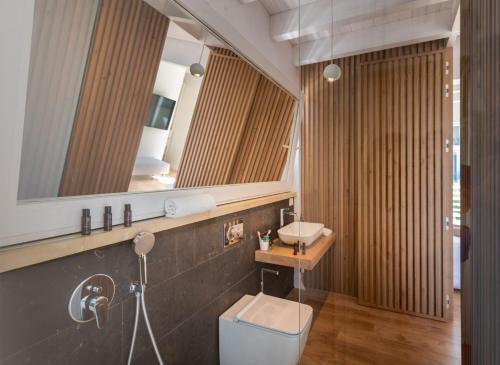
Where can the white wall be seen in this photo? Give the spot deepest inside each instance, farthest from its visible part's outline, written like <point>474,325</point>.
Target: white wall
<point>247,28</point>
<point>153,143</point>
<point>57,65</point>
<point>184,52</point>
<point>168,83</point>
<point>182,121</point>
<point>169,80</point>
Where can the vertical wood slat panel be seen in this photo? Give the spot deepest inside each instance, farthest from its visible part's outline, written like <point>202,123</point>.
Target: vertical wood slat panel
<point>394,122</point>
<point>226,96</point>
<point>124,58</point>
<point>241,122</point>
<point>328,164</point>
<point>427,269</point>
<point>261,154</point>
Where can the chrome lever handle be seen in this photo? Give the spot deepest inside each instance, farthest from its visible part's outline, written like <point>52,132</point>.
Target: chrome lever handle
<point>99,306</point>
<point>91,300</point>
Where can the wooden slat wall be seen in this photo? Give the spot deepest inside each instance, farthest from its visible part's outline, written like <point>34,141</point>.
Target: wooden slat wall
<point>116,92</point>
<point>480,180</point>
<point>218,123</point>
<point>261,155</point>
<point>328,161</point>
<point>241,122</point>
<point>371,143</point>
<point>404,249</point>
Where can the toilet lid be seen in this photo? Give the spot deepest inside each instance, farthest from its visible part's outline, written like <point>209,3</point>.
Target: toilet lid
<point>276,314</point>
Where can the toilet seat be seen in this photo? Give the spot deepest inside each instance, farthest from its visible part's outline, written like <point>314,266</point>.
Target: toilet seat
<point>276,314</point>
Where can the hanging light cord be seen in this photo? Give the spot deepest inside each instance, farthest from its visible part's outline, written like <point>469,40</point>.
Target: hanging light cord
<point>299,43</point>
<point>331,13</point>
<point>202,49</point>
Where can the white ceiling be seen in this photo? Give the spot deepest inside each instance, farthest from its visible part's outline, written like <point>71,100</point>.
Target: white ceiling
<point>278,6</point>
<point>359,26</point>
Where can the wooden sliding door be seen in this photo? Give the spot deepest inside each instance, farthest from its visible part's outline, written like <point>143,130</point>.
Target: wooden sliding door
<point>404,164</point>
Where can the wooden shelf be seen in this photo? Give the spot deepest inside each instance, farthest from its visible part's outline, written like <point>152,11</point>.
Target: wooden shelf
<point>282,254</point>
<point>16,257</point>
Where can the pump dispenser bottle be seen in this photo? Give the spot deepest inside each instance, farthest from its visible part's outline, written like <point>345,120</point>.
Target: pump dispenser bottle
<point>127,215</point>
<point>86,223</point>
<point>108,219</point>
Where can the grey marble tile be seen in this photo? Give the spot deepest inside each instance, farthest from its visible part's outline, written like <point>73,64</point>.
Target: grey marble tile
<point>79,344</point>
<point>185,245</point>
<point>175,254</point>
<point>196,338</point>
<point>209,239</point>
<point>210,356</point>
<point>278,286</point>
<point>37,304</point>
<point>193,279</point>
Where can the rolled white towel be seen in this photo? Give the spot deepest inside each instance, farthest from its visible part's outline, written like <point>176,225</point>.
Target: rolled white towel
<point>188,205</point>
<point>327,231</point>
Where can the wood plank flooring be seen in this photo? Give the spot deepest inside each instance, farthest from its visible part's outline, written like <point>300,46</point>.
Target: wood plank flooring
<point>344,332</point>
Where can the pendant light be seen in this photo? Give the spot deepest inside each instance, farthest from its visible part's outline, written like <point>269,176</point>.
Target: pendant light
<point>197,69</point>
<point>332,72</point>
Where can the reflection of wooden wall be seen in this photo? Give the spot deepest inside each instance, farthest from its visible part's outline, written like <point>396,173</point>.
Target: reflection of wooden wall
<point>374,171</point>
<point>218,123</point>
<point>116,92</point>
<point>261,156</point>
<point>226,143</point>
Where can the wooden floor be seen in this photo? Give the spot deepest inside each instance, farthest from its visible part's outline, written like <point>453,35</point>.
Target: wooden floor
<point>344,332</point>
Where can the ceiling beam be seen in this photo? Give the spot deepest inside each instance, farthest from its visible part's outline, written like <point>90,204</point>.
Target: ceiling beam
<point>316,17</point>
<point>399,33</point>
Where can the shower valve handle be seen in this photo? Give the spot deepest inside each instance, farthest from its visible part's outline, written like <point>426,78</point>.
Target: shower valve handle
<point>99,306</point>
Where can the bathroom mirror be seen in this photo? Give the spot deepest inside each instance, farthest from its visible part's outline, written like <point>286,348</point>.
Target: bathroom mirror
<point>114,106</point>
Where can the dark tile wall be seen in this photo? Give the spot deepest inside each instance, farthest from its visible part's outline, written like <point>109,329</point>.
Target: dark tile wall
<point>192,280</point>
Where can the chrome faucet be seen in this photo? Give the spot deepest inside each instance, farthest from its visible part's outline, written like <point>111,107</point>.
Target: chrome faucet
<point>262,271</point>
<point>95,305</point>
<point>287,211</point>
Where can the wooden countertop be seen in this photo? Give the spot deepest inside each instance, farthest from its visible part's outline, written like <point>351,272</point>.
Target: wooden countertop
<point>282,254</point>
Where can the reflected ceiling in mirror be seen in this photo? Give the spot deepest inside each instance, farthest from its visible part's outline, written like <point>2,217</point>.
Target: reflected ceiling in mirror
<point>113,105</point>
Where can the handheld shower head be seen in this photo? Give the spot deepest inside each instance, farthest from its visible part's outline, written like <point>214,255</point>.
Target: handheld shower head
<point>143,243</point>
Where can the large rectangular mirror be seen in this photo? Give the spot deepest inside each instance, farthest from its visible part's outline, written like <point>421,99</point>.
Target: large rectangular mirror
<point>125,98</point>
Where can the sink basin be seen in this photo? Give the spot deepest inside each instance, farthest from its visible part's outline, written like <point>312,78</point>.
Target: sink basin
<point>300,231</point>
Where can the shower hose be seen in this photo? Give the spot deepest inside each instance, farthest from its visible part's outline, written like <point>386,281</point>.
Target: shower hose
<point>141,303</point>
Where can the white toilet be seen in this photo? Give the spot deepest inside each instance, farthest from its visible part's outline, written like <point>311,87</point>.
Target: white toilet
<point>263,330</point>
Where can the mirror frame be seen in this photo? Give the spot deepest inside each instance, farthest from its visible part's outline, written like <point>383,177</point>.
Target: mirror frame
<point>23,221</point>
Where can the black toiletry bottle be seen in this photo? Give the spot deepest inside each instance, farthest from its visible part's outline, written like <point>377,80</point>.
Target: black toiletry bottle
<point>127,215</point>
<point>85,222</point>
<point>108,219</point>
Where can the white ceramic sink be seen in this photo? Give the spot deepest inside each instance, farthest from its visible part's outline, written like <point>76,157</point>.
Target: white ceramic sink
<point>300,231</point>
